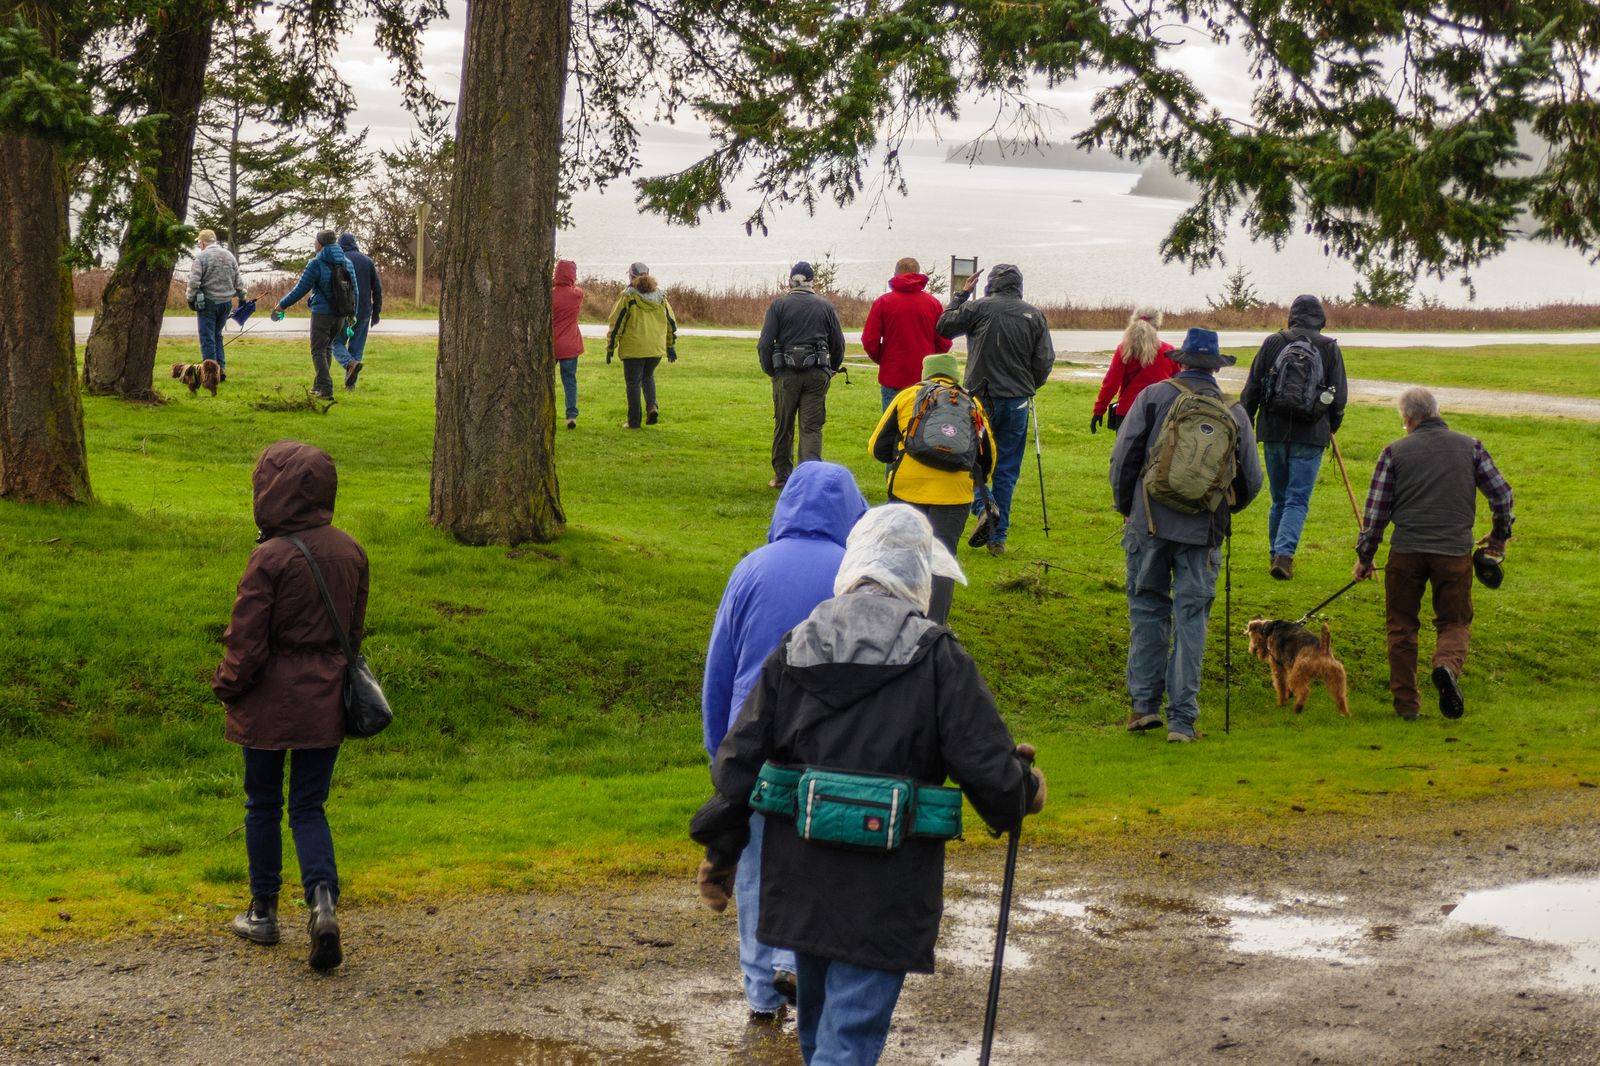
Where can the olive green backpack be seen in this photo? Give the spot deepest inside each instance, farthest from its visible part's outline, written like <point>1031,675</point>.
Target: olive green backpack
<point>1192,464</point>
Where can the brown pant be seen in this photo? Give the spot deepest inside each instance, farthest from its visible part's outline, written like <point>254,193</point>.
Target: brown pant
<point>1404,577</point>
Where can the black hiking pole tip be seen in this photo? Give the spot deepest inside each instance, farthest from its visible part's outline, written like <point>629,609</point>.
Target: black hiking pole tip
<point>993,1006</point>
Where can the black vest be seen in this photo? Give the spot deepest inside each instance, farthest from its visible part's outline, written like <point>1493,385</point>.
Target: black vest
<point>1435,490</point>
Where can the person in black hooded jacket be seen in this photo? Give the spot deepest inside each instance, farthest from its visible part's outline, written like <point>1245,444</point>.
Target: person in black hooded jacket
<point>1292,446</point>
<point>866,684</point>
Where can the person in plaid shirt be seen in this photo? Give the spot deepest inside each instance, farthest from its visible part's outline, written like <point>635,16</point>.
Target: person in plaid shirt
<point>1425,483</point>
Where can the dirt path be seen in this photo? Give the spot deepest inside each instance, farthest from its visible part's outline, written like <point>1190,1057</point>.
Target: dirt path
<point>1197,953</point>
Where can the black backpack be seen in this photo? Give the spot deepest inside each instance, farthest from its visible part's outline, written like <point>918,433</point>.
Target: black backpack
<point>341,290</point>
<point>1294,384</point>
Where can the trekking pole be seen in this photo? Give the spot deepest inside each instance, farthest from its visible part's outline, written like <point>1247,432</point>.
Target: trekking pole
<point>1000,933</point>
<point>1038,457</point>
<point>1227,634</point>
<point>1361,526</point>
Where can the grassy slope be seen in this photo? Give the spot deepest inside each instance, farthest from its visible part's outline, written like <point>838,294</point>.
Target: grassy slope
<point>548,696</point>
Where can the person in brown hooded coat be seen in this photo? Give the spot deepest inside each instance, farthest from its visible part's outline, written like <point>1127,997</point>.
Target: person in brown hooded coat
<point>282,680</point>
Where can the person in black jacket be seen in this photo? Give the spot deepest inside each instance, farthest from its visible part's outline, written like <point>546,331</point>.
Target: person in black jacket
<point>1009,357</point>
<point>1292,445</point>
<point>866,684</point>
<point>369,305</point>
<point>801,348</point>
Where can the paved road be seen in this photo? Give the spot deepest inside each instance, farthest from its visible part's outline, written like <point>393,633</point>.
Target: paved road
<point>1066,340</point>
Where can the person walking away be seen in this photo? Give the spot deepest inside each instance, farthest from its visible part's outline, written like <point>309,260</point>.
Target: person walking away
<point>936,442</point>
<point>771,591</point>
<point>1009,357</point>
<point>1141,359</point>
<point>335,297</point>
<point>213,286</point>
<point>1295,395</point>
<point>1184,464</point>
<point>282,680</point>
<point>901,330</point>
<point>369,308</point>
<point>866,685</point>
<point>566,302</point>
<point>641,330</point>
<point>1426,484</point>
<point>801,348</point>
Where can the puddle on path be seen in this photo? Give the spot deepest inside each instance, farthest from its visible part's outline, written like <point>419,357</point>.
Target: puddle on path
<point>966,937</point>
<point>1565,913</point>
<point>1261,927</point>
<point>757,1045</point>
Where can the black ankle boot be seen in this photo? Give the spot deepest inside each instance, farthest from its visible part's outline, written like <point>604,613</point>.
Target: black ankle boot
<point>323,926</point>
<point>260,922</point>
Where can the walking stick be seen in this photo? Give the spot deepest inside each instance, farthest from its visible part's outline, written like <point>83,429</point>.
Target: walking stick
<point>1000,934</point>
<point>1227,635</point>
<point>1038,457</point>
<point>1360,525</point>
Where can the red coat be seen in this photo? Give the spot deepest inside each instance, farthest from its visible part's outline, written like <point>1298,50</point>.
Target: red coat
<point>282,676</point>
<point>566,301</point>
<point>1126,379</point>
<point>899,330</point>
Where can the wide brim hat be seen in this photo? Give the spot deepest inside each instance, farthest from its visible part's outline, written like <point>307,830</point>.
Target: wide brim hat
<point>1486,565</point>
<point>1200,351</point>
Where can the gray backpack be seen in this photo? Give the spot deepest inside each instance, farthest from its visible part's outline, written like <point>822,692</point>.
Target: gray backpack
<point>945,428</point>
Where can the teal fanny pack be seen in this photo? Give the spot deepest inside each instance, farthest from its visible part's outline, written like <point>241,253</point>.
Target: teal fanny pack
<point>873,812</point>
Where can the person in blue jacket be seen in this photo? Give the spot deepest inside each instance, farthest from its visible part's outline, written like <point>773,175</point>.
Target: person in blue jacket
<point>317,279</point>
<point>369,305</point>
<point>771,591</point>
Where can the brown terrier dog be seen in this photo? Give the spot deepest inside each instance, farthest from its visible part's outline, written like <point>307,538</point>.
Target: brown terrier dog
<point>196,375</point>
<point>1297,658</point>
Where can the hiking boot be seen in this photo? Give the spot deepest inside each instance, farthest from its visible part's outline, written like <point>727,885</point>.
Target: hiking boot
<point>323,927</point>
<point>572,423</point>
<point>1282,567</point>
<point>786,985</point>
<point>652,416</point>
<point>1406,715</point>
<point>260,923</point>
<point>629,425</point>
<point>764,1017</point>
<point>997,547</point>
<point>323,395</point>
<point>1451,705</point>
<point>1180,735</point>
<point>777,483</point>
<point>980,532</point>
<point>1138,722</point>
<point>352,372</point>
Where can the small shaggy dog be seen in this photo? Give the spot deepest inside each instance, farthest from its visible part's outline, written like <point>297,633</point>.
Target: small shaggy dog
<point>195,375</point>
<point>1297,658</point>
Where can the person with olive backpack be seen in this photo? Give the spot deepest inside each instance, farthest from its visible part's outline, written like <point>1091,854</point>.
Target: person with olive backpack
<point>285,678</point>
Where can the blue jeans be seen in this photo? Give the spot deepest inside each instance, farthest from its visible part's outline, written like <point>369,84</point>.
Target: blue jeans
<point>310,775</point>
<point>888,393</point>
<point>569,384</point>
<point>1291,475</point>
<point>758,961</point>
<point>1170,590</point>
<point>844,1011</point>
<point>211,321</point>
<point>353,350</point>
<point>1008,422</point>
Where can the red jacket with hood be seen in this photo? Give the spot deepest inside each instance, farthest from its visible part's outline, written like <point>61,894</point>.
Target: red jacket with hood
<point>566,300</point>
<point>899,330</point>
<point>282,675</point>
<point>1125,379</point>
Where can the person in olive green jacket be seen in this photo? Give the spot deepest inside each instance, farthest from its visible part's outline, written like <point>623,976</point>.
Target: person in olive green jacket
<point>642,330</point>
<point>945,496</point>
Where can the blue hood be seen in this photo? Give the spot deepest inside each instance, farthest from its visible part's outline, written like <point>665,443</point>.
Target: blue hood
<point>821,501</point>
<point>347,241</point>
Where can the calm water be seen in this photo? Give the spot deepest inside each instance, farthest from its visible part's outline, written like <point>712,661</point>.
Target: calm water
<point>1077,236</point>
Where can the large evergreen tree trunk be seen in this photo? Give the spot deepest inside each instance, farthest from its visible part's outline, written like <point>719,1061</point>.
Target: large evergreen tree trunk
<point>120,357</point>
<point>494,478</point>
<point>42,458</point>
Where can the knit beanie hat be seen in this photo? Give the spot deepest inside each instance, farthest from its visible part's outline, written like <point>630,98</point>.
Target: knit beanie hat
<point>940,366</point>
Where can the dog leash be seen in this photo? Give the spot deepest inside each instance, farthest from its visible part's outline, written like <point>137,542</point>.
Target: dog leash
<point>1307,616</point>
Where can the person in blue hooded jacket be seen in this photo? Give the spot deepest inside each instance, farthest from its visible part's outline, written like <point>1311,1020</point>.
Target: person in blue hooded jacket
<point>317,280</point>
<point>771,591</point>
<point>369,305</point>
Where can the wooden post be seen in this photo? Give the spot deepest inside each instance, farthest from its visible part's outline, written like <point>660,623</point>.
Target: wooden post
<point>422,230</point>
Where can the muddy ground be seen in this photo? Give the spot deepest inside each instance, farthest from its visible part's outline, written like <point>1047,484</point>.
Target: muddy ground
<point>1186,952</point>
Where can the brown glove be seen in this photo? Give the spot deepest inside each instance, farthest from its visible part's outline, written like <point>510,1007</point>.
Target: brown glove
<point>715,884</point>
<point>1027,752</point>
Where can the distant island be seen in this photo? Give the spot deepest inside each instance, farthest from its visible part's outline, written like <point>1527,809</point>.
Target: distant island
<point>1039,156</point>
<point>1157,180</point>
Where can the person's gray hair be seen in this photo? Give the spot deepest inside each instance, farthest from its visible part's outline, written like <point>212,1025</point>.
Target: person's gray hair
<point>1417,404</point>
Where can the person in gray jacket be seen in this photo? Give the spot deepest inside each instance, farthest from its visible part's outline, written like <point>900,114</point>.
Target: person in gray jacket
<point>213,285</point>
<point>801,348</point>
<point>1009,357</point>
<point>1173,557</point>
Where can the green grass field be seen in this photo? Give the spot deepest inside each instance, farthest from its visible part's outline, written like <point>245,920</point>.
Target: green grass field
<point>1555,369</point>
<point>548,730</point>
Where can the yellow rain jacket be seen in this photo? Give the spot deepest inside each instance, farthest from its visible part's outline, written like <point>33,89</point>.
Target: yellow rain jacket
<point>914,481</point>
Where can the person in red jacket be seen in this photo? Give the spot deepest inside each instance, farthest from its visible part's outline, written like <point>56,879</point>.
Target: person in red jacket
<point>1140,360</point>
<point>566,300</point>
<point>899,330</point>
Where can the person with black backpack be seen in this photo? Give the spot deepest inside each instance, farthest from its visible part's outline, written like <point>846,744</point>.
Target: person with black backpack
<point>1184,464</point>
<point>1295,397</point>
<point>936,440</point>
<point>334,297</point>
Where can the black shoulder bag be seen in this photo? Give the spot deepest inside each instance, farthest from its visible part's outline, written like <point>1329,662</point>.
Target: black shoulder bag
<point>366,711</point>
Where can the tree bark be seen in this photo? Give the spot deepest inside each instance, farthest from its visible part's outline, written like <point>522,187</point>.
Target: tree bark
<point>42,457</point>
<point>120,357</point>
<point>494,478</point>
